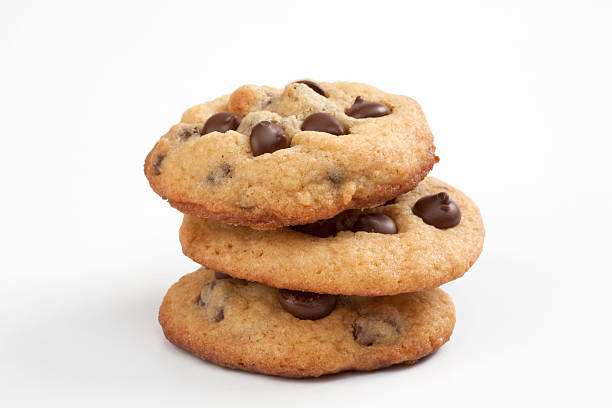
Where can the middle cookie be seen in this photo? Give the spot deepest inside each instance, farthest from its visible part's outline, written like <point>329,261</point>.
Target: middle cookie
<point>418,241</point>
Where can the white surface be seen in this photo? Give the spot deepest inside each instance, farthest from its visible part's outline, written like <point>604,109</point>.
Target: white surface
<point>518,98</point>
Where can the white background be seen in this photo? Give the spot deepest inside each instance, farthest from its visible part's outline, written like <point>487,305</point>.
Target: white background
<point>517,96</point>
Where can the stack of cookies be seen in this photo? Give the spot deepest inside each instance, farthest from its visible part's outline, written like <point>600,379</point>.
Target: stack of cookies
<point>322,241</point>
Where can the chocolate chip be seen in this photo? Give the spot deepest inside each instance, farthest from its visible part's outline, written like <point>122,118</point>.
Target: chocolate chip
<point>373,329</point>
<point>335,177</point>
<point>213,298</point>
<point>236,281</point>
<point>314,86</point>
<point>219,173</point>
<point>438,210</point>
<point>268,137</point>
<point>157,161</point>
<point>380,223</point>
<point>190,132</point>
<point>324,122</point>
<point>306,305</point>
<point>327,228</point>
<point>364,109</point>
<point>321,229</point>
<point>222,122</point>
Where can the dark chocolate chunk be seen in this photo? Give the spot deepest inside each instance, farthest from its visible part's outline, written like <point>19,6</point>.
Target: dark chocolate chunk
<point>324,122</point>
<point>321,229</point>
<point>222,122</point>
<point>268,137</point>
<point>219,173</point>
<point>306,305</point>
<point>314,86</point>
<point>380,223</point>
<point>364,109</point>
<point>438,210</point>
<point>157,161</point>
<point>376,329</point>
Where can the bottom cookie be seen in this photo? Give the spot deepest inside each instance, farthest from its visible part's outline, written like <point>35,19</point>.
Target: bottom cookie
<point>253,327</point>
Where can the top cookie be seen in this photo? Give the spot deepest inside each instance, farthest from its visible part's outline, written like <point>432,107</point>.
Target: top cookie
<point>293,156</point>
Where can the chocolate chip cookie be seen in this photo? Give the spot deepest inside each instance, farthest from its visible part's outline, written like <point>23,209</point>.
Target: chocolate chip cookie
<point>253,327</point>
<point>417,241</point>
<point>267,158</point>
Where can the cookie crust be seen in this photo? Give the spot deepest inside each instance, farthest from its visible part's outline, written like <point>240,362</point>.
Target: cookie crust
<point>257,335</point>
<point>317,177</point>
<point>419,257</point>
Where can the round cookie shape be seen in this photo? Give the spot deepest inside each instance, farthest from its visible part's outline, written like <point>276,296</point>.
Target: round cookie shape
<point>323,162</point>
<point>242,325</point>
<point>331,258</point>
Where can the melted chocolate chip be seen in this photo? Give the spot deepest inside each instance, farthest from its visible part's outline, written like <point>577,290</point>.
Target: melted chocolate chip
<point>321,229</point>
<point>219,173</point>
<point>364,109</point>
<point>221,275</point>
<point>222,122</point>
<point>306,305</point>
<point>268,137</point>
<point>380,223</point>
<point>376,329</point>
<point>157,161</point>
<point>438,210</point>
<point>314,86</point>
<point>324,122</point>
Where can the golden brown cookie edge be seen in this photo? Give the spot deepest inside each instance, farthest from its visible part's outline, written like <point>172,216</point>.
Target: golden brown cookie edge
<point>218,355</point>
<point>267,219</point>
<point>286,281</point>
